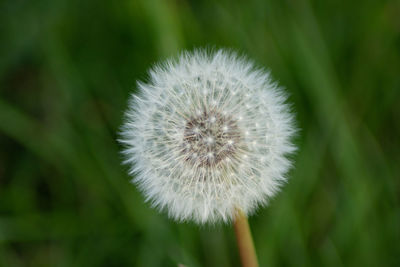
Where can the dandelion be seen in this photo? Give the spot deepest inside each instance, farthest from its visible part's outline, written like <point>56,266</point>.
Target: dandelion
<point>207,138</point>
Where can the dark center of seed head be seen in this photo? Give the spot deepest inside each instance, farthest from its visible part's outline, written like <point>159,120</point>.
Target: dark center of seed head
<point>210,138</point>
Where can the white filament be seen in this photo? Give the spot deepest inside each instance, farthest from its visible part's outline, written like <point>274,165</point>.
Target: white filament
<point>207,134</point>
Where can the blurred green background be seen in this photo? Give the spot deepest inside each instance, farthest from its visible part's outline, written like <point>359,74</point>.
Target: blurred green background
<point>67,68</point>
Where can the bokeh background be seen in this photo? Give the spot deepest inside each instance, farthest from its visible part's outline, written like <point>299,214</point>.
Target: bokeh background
<point>67,68</point>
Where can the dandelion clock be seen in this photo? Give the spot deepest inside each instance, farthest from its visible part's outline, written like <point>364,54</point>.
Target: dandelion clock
<point>207,139</point>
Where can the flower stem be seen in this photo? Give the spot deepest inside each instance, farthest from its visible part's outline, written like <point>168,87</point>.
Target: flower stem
<point>244,240</point>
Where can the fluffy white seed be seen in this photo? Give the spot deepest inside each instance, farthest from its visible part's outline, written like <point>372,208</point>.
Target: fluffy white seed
<point>209,133</point>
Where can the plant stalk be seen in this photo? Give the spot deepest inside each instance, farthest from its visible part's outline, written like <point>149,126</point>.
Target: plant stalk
<point>244,240</point>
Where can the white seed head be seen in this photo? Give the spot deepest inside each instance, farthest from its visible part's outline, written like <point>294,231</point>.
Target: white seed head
<point>207,135</point>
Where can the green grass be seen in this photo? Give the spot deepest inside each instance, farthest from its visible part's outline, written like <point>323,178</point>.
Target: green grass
<point>67,69</point>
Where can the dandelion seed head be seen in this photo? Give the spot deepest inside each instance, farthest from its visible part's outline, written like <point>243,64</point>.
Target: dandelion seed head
<point>208,134</point>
